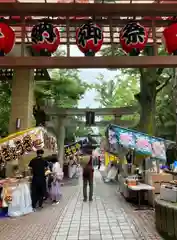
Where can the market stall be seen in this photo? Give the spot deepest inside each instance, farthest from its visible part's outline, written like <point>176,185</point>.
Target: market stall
<point>15,197</point>
<point>137,153</point>
<point>16,151</point>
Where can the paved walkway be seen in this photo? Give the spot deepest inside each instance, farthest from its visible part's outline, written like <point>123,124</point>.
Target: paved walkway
<point>107,217</point>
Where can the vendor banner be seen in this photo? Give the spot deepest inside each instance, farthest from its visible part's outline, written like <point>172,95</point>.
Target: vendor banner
<point>140,142</point>
<point>158,148</point>
<point>72,148</point>
<point>125,138</point>
<point>27,142</point>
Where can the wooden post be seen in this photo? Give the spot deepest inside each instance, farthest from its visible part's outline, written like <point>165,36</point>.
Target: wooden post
<point>155,46</point>
<point>23,34</point>
<point>67,36</point>
<point>111,36</point>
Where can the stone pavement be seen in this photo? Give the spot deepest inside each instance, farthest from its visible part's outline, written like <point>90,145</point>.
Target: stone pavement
<point>107,217</point>
<point>39,225</point>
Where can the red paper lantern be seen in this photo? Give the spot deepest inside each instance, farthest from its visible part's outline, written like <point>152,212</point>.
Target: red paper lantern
<point>89,38</point>
<point>7,38</point>
<point>133,38</point>
<point>45,37</point>
<point>170,38</point>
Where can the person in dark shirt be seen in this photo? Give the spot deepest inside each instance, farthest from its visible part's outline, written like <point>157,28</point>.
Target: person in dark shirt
<point>38,186</point>
<point>88,178</point>
<point>99,162</point>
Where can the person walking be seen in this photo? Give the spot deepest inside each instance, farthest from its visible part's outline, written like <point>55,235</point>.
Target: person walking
<point>99,162</point>
<point>88,179</point>
<point>38,186</point>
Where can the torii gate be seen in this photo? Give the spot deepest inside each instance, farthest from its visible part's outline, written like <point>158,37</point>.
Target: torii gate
<point>62,116</point>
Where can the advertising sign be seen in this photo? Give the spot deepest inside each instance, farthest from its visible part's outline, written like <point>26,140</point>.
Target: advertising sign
<point>26,142</point>
<point>72,149</point>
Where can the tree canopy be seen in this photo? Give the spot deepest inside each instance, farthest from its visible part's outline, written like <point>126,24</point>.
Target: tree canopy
<point>117,92</point>
<point>151,81</point>
<point>64,89</point>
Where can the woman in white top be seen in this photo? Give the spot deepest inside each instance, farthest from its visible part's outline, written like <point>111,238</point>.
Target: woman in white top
<point>55,191</point>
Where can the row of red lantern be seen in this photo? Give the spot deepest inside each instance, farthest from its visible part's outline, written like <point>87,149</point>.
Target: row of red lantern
<point>133,38</point>
<point>89,38</point>
<point>46,37</point>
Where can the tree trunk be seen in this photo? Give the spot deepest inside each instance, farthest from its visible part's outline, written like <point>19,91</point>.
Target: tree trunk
<point>147,96</point>
<point>147,101</point>
<point>175,97</point>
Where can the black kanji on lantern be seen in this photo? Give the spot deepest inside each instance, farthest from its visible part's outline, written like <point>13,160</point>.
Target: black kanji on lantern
<point>1,34</point>
<point>43,32</point>
<point>133,33</point>
<point>87,32</point>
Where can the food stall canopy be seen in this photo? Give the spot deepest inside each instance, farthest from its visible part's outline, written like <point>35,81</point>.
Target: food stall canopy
<point>142,143</point>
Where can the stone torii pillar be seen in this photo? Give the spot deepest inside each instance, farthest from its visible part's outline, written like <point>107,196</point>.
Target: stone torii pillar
<point>116,120</point>
<point>22,100</point>
<point>62,121</point>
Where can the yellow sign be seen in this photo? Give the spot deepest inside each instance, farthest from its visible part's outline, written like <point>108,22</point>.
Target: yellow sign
<point>72,149</point>
<point>109,157</point>
<point>23,143</point>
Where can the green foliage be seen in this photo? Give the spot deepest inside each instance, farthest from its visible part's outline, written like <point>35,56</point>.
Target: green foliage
<point>117,92</point>
<point>82,131</point>
<point>5,102</point>
<point>64,89</point>
<point>75,130</point>
<point>165,113</point>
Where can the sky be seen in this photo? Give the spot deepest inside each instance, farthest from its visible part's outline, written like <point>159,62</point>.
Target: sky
<point>90,75</point>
